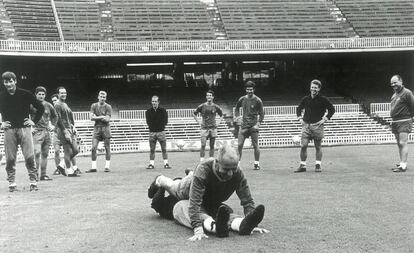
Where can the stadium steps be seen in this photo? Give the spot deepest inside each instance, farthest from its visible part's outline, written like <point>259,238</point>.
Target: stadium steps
<point>79,19</point>
<point>216,21</point>
<point>32,20</point>
<point>7,30</point>
<point>379,17</point>
<point>278,19</point>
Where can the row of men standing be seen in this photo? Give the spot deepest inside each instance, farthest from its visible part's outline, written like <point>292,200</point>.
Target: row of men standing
<point>34,133</point>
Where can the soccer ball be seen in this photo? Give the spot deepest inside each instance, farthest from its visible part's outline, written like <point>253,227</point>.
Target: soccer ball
<point>180,144</point>
<point>296,139</point>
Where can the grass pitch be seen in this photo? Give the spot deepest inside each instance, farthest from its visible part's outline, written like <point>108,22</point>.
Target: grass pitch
<point>355,205</point>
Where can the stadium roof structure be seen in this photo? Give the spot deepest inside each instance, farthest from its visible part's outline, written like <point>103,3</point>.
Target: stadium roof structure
<point>203,47</point>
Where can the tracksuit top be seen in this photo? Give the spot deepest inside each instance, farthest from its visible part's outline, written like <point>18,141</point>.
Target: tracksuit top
<point>315,108</point>
<point>252,107</point>
<point>402,104</point>
<point>156,119</point>
<point>15,108</point>
<point>208,114</point>
<point>209,191</point>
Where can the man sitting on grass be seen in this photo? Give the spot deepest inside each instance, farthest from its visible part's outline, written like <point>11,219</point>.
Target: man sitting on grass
<point>196,201</point>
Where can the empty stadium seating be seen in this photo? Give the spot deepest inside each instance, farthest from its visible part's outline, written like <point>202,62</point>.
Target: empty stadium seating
<point>269,19</point>
<point>160,20</point>
<point>379,17</point>
<point>190,19</point>
<point>79,19</point>
<point>32,19</point>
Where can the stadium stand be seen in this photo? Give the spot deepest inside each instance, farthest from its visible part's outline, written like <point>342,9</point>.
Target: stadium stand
<point>269,19</point>
<point>160,20</point>
<point>379,17</point>
<point>32,20</point>
<point>79,19</point>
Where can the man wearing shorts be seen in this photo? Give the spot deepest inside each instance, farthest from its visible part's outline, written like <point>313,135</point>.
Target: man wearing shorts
<point>208,111</point>
<point>157,119</point>
<point>101,113</point>
<point>41,132</point>
<point>15,121</point>
<point>402,111</point>
<point>315,107</point>
<point>66,133</point>
<point>253,116</point>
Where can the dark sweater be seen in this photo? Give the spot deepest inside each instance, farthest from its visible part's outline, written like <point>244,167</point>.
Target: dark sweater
<point>15,108</point>
<point>156,119</point>
<point>315,108</point>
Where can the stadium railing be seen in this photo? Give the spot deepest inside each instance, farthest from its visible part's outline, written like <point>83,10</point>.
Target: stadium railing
<point>380,108</point>
<point>203,46</point>
<point>291,110</point>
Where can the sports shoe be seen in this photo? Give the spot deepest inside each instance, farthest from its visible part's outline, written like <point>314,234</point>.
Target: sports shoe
<point>256,167</point>
<point>107,170</point>
<point>399,169</point>
<point>222,220</point>
<point>318,168</point>
<point>78,171</point>
<point>302,168</point>
<point>153,188</point>
<point>12,187</point>
<point>251,220</point>
<point>33,187</point>
<point>57,172</point>
<point>150,167</point>
<point>167,166</point>
<point>74,174</point>
<point>62,170</point>
<point>45,178</point>
<point>91,171</point>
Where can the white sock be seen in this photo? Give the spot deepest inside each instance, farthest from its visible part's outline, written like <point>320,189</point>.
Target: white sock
<point>107,164</point>
<point>235,224</point>
<point>75,167</point>
<point>318,162</point>
<point>209,225</point>
<point>70,171</point>
<point>201,159</point>
<point>303,163</point>
<point>165,161</point>
<point>152,162</point>
<point>256,162</point>
<point>62,163</point>
<point>94,165</point>
<point>403,165</point>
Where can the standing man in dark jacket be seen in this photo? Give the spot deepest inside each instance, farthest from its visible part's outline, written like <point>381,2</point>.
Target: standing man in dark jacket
<point>16,123</point>
<point>313,121</point>
<point>157,119</point>
<point>402,111</point>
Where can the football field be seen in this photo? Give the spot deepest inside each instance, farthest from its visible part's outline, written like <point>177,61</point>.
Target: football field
<point>357,204</point>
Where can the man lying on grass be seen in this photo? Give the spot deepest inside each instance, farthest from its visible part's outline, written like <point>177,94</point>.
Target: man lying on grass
<point>196,201</point>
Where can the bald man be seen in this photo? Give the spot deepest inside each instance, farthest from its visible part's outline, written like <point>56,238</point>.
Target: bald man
<point>402,112</point>
<point>201,194</point>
